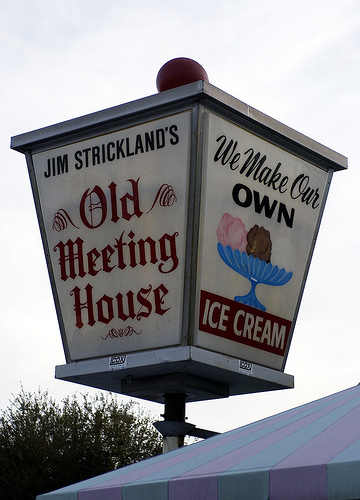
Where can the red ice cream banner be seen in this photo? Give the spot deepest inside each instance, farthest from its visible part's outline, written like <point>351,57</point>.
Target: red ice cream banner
<point>243,324</point>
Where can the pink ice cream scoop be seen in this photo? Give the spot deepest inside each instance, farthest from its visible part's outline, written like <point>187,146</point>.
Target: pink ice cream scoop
<point>231,231</point>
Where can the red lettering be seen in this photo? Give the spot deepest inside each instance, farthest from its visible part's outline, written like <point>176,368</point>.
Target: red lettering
<point>134,198</point>
<point>88,310</point>
<point>108,315</point>
<point>142,297</point>
<point>159,294</point>
<point>126,251</point>
<point>71,253</point>
<point>92,257</point>
<point>94,205</point>
<point>87,305</point>
<point>91,203</point>
<point>130,305</point>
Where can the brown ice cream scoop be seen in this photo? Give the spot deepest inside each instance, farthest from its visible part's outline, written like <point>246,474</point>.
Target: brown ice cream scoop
<point>259,243</point>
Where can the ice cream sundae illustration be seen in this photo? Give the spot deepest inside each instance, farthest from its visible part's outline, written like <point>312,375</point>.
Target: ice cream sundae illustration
<point>249,253</point>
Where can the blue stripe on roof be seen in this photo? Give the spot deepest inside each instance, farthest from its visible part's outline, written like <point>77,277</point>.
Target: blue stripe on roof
<point>158,490</point>
<point>343,480</point>
<point>244,486</point>
<point>351,453</point>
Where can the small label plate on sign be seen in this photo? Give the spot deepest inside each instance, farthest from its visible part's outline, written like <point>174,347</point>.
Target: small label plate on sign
<point>245,367</point>
<point>117,362</point>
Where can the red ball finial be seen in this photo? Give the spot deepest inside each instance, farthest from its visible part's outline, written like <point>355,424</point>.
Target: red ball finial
<point>179,71</point>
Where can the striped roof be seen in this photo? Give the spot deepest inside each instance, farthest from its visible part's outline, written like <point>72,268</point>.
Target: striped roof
<point>309,452</point>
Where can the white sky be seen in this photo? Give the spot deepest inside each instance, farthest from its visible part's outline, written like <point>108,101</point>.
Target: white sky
<point>298,62</point>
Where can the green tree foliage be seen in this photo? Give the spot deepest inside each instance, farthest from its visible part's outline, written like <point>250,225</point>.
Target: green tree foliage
<point>45,446</point>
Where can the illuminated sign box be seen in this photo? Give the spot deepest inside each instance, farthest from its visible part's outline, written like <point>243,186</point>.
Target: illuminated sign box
<point>178,231</point>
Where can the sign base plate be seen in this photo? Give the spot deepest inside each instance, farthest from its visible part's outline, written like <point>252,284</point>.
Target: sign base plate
<point>200,374</point>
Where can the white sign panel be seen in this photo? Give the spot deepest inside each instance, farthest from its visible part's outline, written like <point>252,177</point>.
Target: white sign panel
<point>260,211</point>
<point>114,209</point>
